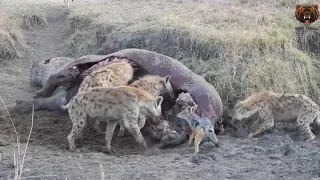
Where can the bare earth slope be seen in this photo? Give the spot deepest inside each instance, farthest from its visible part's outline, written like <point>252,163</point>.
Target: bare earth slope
<point>271,156</point>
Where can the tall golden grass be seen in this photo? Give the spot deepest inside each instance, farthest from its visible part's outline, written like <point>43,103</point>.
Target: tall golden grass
<point>241,46</point>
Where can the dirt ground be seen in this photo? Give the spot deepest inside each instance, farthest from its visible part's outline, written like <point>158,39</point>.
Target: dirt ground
<point>270,156</point>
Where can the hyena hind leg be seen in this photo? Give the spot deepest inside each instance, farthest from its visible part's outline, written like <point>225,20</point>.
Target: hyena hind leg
<point>97,127</point>
<point>132,126</point>
<point>141,123</point>
<point>304,126</point>
<point>109,135</point>
<point>78,124</point>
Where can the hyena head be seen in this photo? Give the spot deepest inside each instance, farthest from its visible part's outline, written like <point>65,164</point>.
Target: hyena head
<point>242,110</point>
<point>152,109</point>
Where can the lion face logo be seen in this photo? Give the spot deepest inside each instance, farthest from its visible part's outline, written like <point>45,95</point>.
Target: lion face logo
<point>307,14</point>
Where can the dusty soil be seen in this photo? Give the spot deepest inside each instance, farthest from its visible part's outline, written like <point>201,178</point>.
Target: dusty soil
<point>274,155</point>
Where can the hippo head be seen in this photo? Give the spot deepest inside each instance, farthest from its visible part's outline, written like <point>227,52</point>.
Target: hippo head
<point>23,107</point>
<point>65,78</point>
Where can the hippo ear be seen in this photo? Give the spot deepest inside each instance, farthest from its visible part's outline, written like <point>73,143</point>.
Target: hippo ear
<point>167,79</point>
<point>159,100</point>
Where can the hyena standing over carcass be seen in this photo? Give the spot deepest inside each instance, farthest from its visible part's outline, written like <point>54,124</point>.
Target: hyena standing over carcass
<point>112,105</point>
<point>157,86</point>
<point>119,72</point>
<point>279,107</point>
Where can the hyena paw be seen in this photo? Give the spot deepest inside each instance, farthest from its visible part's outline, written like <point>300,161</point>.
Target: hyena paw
<point>107,150</point>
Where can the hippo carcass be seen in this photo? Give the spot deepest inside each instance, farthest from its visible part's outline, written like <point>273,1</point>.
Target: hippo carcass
<point>40,73</point>
<point>182,79</point>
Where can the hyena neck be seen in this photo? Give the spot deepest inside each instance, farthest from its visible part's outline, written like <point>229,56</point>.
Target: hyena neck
<point>144,106</point>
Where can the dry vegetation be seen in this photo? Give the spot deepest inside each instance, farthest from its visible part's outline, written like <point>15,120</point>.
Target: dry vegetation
<point>240,46</point>
<point>15,17</point>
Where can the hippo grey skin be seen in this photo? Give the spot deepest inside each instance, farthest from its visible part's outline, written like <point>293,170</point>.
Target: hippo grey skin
<point>40,72</point>
<point>182,79</point>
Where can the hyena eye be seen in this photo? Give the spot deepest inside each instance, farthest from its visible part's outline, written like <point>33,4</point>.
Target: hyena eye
<point>210,130</point>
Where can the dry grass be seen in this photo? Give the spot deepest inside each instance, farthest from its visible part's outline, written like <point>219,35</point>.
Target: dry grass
<point>15,16</point>
<point>240,46</point>
<point>18,158</point>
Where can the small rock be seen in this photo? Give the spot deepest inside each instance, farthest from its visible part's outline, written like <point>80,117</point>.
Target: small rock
<point>212,156</point>
<point>2,142</point>
<point>257,149</point>
<point>289,150</point>
<point>195,159</point>
<point>176,158</point>
<point>240,133</point>
<point>274,157</point>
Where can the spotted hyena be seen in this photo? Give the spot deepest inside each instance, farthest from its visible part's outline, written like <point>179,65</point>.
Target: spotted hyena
<point>157,86</point>
<point>278,107</point>
<point>117,73</point>
<point>112,104</point>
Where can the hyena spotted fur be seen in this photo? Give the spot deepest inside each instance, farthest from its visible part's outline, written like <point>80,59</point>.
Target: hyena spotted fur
<point>157,86</point>
<point>113,104</point>
<point>279,107</point>
<point>117,73</point>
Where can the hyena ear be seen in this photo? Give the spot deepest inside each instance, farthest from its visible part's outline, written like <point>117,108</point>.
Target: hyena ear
<point>159,100</point>
<point>167,79</point>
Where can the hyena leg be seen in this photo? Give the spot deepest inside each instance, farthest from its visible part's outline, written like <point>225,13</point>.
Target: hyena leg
<point>141,120</point>
<point>122,129</point>
<point>303,123</point>
<point>133,128</point>
<point>199,135</point>
<point>109,134</point>
<point>141,123</point>
<point>268,122</point>
<point>78,123</point>
<point>97,126</point>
